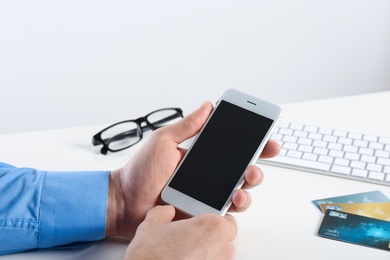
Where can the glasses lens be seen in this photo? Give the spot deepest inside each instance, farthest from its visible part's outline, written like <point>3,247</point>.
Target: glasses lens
<point>164,117</point>
<point>122,135</point>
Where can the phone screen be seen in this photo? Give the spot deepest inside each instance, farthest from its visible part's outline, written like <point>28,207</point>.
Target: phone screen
<point>221,154</point>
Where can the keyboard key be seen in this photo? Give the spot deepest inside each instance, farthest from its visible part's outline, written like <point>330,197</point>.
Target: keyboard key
<point>341,169</point>
<point>329,138</point>
<point>290,146</point>
<point>376,146</point>
<point>383,154</point>
<point>340,133</point>
<point>337,154</point>
<point>334,146</point>
<point>346,141</point>
<point>342,162</point>
<point>277,137</point>
<point>290,139</point>
<point>310,157</point>
<point>383,161</point>
<point>294,154</point>
<point>311,129</point>
<point>370,138</point>
<point>283,152</point>
<point>305,141</point>
<point>358,165</point>
<point>320,151</point>
<point>367,159</point>
<point>360,143</point>
<point>326,159</point>
<point>359,173</point>
<point>305,148</point>
<point>366,151</point>
<point>326,131</point>
<point>384,140</point>
<point>355,136</point>
<point>285,131</point>
<point>350,149</point>
<point>352,156</point>
<point>315,136</point>
<point>321,144</point>
<point>300,134</point>
<point>379,176</point>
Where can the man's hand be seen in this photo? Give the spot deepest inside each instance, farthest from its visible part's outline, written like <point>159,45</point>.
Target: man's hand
<point>135,188</point>
<point>200,237</point>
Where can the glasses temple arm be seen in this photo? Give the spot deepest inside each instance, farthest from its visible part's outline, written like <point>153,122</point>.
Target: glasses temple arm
<point>166,119</point>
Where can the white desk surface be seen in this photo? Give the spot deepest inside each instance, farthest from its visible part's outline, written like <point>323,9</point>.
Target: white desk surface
<point>281,223</point>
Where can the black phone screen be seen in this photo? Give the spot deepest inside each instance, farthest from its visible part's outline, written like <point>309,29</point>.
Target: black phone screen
<point>221,154</point>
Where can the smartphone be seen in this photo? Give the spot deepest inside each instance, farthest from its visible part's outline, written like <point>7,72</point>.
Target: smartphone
<point>213,168</point>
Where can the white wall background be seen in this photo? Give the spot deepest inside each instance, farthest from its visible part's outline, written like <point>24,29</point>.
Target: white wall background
<point>67,63</point>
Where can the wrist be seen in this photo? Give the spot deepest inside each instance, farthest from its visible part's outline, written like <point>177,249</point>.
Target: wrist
<point>115,205</point>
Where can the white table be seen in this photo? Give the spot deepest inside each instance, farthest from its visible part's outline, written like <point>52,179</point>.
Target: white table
<point>281,223</point>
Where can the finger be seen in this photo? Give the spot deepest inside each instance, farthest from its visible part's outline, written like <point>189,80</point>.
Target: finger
<point>271,149</point>
<point>241,200</point>
<point>253,177</point>
<point>159,215</point>
<point>190,125</point>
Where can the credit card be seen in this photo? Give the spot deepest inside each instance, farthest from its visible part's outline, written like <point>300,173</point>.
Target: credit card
<point>378,210</point>
<point>364,197</point>
<point>355,229</point>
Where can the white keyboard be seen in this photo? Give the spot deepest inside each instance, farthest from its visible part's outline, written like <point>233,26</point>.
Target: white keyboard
<point>332,152</point>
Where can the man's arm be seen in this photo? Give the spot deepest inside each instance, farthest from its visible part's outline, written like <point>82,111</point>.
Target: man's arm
<point>40,209</point>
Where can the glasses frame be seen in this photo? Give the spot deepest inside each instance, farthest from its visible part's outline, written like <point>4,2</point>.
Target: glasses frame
<point>98,140</point>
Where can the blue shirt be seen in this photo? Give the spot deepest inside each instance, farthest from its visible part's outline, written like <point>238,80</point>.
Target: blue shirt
<point>40,209</point>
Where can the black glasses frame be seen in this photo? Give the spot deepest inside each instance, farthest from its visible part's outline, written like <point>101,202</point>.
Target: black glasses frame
<point>98,140</point>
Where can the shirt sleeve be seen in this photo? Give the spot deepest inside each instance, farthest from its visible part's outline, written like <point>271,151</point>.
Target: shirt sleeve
<point>40,209</point>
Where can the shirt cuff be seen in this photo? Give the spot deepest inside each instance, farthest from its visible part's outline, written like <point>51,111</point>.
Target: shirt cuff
<point>73,208</point>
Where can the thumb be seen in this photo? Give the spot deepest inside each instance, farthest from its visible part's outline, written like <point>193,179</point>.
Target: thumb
<point>191,124</point>
<point>232,224</point>
<point>159,215</point>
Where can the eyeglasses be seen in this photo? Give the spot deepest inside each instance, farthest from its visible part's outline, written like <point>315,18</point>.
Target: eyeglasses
<point>125,134</point>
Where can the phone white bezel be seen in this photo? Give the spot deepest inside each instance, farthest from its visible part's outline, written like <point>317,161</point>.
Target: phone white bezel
<point>194,207</point>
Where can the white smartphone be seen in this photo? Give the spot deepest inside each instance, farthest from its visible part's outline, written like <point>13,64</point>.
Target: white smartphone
<point>213,167</point>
